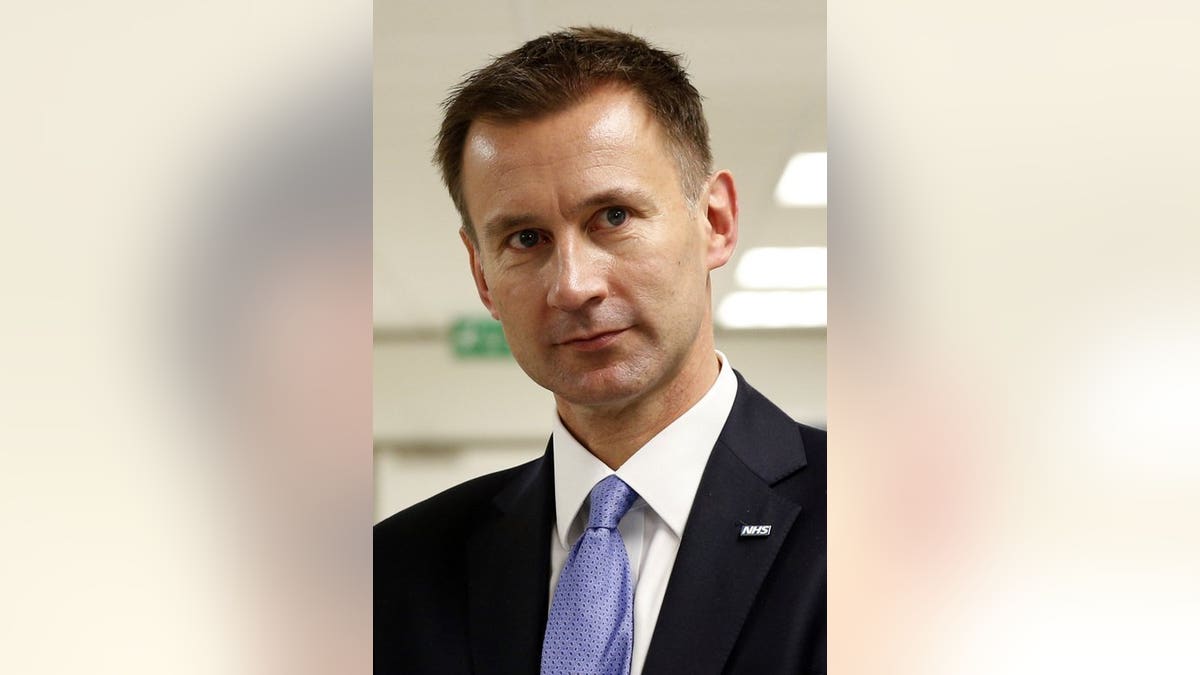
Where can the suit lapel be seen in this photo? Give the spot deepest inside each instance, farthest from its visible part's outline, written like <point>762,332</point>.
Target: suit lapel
<point>509,575</point>
<point>717,574</point>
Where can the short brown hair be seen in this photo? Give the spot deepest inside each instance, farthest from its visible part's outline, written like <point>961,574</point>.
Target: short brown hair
<point>552,72</point>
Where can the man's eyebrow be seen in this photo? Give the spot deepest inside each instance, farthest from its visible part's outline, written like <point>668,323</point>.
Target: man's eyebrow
<point>619,196</point>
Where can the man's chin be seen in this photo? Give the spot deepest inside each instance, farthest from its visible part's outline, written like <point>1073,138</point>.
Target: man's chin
<point>598,388</point>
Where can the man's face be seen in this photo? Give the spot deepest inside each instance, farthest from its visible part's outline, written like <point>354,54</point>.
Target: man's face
<point>588,252</point>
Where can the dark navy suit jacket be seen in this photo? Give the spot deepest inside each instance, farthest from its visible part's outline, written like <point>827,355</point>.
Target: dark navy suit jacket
<point>462,579</point>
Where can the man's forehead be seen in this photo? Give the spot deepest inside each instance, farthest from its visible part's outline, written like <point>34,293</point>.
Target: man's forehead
<point>607,115</point>
<point>607,143</point>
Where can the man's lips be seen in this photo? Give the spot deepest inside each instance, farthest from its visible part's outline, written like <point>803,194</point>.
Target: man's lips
<point>592,341</point>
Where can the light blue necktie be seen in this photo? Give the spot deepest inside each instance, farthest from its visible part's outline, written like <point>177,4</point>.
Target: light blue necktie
<point>590,628</point>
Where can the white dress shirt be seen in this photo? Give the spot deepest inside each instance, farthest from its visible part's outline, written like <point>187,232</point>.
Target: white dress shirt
<point>665,472</point>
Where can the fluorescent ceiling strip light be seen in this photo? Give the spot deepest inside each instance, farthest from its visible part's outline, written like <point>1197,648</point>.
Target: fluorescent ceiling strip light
<point>780,267</point>
<point>804,180</point>
<point>773,309</point>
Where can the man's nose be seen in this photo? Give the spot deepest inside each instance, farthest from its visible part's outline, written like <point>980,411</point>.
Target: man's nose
<point>580,276</point>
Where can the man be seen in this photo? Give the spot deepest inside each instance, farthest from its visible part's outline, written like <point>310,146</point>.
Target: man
<point>676,523</point>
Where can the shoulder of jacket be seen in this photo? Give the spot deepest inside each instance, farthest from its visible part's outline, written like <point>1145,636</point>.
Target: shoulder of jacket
<point>450,509</point>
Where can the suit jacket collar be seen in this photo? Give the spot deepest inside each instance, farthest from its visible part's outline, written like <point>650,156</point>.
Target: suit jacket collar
<point>508,574</point>
<point>717,573</point>
<point>763,436</point>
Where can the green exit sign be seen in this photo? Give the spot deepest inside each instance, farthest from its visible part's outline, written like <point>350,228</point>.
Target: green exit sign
<point>478,337</point>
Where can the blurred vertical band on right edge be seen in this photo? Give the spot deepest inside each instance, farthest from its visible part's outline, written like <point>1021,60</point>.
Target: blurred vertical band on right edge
<point>1014,337</point>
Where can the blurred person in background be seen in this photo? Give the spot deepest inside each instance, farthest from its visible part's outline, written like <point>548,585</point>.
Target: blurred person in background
<point>676,522</point>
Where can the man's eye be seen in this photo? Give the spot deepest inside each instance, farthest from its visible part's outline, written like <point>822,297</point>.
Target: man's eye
<point>525,239</point>
<point>615,216</point>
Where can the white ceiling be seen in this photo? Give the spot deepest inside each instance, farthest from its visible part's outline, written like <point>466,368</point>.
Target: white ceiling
<point>760,67</point>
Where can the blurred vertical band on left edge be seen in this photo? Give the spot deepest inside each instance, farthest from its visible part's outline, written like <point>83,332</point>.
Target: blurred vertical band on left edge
<point>185,372</point>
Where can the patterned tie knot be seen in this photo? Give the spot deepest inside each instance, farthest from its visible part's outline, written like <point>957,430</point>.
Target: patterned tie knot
<point>611,498</point>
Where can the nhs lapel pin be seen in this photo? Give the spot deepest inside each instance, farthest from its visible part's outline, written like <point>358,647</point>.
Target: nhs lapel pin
<point>754,531</point>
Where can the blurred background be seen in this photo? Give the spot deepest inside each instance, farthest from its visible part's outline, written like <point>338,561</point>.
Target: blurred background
<point>450,403</point>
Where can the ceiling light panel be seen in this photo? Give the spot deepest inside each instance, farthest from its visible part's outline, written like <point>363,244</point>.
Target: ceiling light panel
<point>804,181</point>
<point>783,267</point>
<point>773,309</point>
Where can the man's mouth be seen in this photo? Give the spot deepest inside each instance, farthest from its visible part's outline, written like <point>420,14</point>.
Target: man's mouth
<point>592,341</point>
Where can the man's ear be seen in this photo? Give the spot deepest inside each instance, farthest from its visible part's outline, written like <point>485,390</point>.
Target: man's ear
<point>485,296</point>
<point>721,212</point>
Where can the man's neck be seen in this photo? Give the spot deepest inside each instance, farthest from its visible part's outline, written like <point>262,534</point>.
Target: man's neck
<point>614,433</point>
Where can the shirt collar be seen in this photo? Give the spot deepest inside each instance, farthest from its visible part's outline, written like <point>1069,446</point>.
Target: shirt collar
<point>665,472</point>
